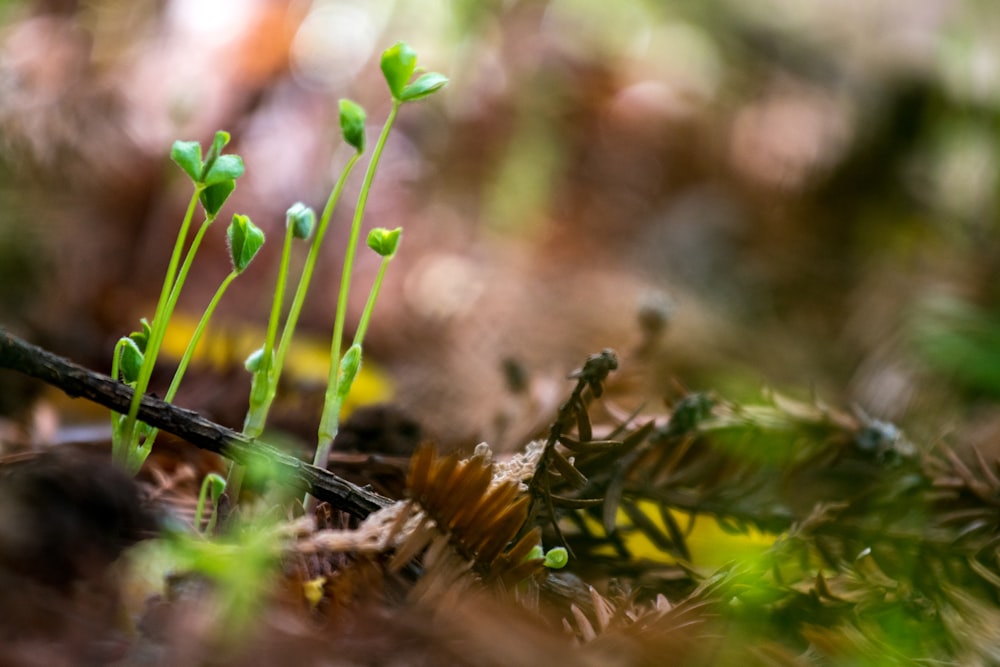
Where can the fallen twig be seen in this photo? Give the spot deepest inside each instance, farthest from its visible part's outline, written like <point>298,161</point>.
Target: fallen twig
<point>77,381</point>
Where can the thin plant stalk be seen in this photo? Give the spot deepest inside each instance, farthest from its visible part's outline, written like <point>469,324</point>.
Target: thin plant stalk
<point>258,415</point>
<point>330,421</point>
<point>366,315</point>
<point>193,345</point>
<point>123,448</point>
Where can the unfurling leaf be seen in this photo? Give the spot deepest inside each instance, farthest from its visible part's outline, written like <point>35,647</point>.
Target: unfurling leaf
<point>384,241</point>
<point>245,240</point>
<point>131,360</point>
<point>352,124</point>
<point>349,366</point>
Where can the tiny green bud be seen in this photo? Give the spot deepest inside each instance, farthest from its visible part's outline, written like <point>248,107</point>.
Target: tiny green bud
<point>384,241</point>
<point>399,62</point>
<point>245,240</point>
<point>556,558</point>
<point>141,338</point>
<point>300,219</point>
<point>426,84</point>
<point>352,124</point>
<point>187,155</point>
<point>131,359</point>
<point>349,366</point>
<point>254,361</point>
<point>216,485</point>
<point>536,553</point>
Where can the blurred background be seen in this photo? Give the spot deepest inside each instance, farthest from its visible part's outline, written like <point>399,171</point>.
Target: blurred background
<point>784,194</point>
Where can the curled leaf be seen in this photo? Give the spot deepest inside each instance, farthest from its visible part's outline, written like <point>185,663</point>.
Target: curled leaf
<point>556,558</point>
<point>131,359</point>
<point>352,124</point>
<point>349,366</point>
<point>245,240</point>
<point>384,241</point>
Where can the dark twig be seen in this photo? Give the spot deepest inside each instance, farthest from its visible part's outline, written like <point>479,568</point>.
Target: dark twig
<point>77,381</point>
<point>593,374</point>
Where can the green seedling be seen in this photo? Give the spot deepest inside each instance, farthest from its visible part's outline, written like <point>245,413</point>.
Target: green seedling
<point>213,485</point>
<point>299,221</point>
<point>214,179</point>
<point>554,559</point>
<point>399,63</point>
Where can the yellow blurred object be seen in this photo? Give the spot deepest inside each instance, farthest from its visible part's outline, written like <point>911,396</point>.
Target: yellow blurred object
<point>308,362</point>
<point>313,591</point>
<point>709,544</point>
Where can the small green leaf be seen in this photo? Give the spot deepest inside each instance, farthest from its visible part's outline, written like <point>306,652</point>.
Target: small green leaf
<point>301,220</point>
<point>399,62</point>
<point>349,365</point>
<point>216,485</point>
<point>352,124</point>
<point>245,240</point>
<point>131,360</point>
<point>254,361</point>
<point>426,84</point>
<point>556,558</point>
<point>225,168</point>
<point>187,155</point>
<point>214,196</point>
<point>384,241</point>
<point>536,553</point>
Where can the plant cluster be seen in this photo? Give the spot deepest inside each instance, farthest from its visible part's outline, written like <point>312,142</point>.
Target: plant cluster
<point>214,179</point>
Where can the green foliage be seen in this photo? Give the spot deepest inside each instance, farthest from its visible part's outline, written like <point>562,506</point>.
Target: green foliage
<point>960,341</point>
<point>245,241</point>
<point>383,241</point>
<point>352,124</point>
<point>399,62</point>
<point>426,84</point>
<point>214,179</point>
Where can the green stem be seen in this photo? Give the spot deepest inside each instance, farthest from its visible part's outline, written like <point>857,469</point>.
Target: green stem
<point>330,421</point>
<point>122,448</point>
<point>366,315</point>
<point>256,417</point>
<point>196,337</point>
<point>135,453</point>
<point>190,350</point>
<point>310,265</point>
<point>287,332</point>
